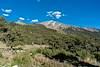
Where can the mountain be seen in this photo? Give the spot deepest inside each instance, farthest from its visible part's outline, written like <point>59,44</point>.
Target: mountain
<point>21,23</point>
<point>60,26</point>
<point>54,25</point>
<point>92,29</point>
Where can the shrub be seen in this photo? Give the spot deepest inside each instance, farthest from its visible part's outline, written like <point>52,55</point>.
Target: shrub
<point>97,56</point>
<point>84,54</point>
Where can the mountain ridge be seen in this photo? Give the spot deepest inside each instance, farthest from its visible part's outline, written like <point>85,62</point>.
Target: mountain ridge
<point>58,26</point>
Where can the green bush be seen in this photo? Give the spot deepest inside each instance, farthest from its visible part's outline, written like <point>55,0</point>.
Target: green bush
<point>84,54</point>
<point>97,56</point>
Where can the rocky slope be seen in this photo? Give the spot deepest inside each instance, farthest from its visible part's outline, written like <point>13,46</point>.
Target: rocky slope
<point>60,26</point>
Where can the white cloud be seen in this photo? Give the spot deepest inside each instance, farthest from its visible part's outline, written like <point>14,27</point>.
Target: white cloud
<point>5,15</point>
<point>6,10</point>
<point>21,18</point>
<point>55,14</point>
<point>35,20</point>
<point>49,14</point>
<point>58,16</point>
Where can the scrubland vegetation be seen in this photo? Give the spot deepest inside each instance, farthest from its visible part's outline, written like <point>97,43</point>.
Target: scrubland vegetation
<point>68,49</point>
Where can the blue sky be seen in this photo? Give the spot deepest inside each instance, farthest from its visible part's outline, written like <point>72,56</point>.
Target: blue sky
<point>84,13</point>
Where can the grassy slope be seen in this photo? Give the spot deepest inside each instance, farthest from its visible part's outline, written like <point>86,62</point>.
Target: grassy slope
<point>79,48</point>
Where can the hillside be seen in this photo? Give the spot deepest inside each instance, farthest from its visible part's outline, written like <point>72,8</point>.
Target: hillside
<point>40,45</point>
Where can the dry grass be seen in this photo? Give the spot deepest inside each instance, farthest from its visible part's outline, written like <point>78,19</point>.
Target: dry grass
<point>46,62</point>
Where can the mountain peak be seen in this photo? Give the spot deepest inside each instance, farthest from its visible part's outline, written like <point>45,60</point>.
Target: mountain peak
<point>60,26</point>
<point>54,24</point>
